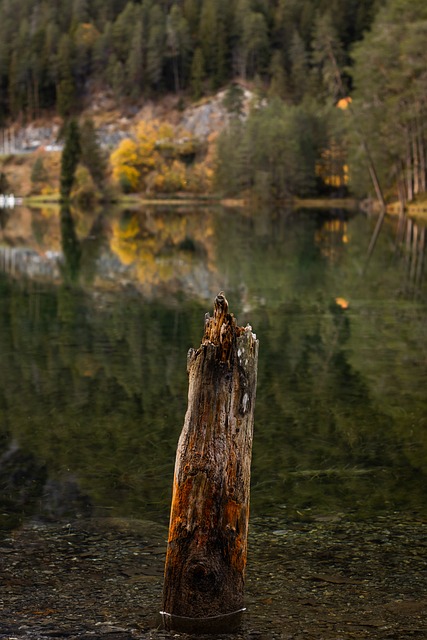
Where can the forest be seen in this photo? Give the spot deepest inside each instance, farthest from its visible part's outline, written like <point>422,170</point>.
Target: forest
<point>301,58</point>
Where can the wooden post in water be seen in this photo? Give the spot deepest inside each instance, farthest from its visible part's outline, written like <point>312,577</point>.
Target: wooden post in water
<point>207,544</point>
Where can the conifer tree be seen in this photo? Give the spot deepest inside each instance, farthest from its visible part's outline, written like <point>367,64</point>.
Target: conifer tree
<point>300,69</point>
<point>66,87</point>
<point>92,155</point>
<point>135,63</point>
<point>197,73</point>
<point>69,159</point>
<point>156,46</point>
<point>279,81</point>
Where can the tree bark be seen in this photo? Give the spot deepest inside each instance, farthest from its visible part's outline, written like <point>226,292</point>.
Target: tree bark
<point>416,163</point>
<point>207,544</point>
<point>421,253</point>
<point>421,150</point>
<point>409,171</point>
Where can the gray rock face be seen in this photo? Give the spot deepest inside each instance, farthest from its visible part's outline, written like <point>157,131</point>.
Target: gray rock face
<point>201,120</point>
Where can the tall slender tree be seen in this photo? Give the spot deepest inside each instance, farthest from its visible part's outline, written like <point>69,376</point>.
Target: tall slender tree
<point>69,159</point>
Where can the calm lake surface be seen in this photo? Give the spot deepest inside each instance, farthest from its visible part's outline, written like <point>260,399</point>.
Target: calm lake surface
<point>98,311</point>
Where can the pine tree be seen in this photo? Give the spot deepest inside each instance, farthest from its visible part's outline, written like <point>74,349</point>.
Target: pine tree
<point>92,155</point>
<point>178,42</point>
<point>300,69</point>
<point>279,81</point>
<point>197,73</point>
<point>69,159</point>
<point>66,86</point>
<point>135,63</point>
<point>327,56</point>
<point>156,46</point>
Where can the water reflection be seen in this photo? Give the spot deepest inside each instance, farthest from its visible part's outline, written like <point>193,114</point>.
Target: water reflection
<point>332,237</point>
<point>93,383</point>
<point>71,248</point>
<point>411,248</point>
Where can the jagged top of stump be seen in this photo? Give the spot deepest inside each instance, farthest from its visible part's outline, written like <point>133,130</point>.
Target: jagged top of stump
<point>221,329</point>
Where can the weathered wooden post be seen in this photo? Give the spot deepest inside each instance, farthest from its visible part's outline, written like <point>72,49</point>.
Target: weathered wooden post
<point>207,545</point>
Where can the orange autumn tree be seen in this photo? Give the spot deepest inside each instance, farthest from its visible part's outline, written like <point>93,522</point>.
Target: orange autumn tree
<point>159,159</point>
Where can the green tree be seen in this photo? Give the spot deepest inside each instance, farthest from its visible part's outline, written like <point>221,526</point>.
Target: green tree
<point>390,80</point>
<point>92,155</point>
<point>69,159</point>
<point>135,62</point>
<point>279,80</point>
<point>66,86</point>
<point>156,46</point>
<point>233,99</point>
<point>300,68</point>
<point>274,152</point>
<point>102,50</point>
<point>191,11</point>
<point>214,37</point>
<point>178,45</point>
<point>197,73</point>
<point>38,174</point>
<point>123,30</point>
<point>81,11</point>
<point>327,57</point>
<point>254,43</point>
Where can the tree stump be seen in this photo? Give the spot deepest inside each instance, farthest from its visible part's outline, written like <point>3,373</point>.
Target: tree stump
<point>207,544</point>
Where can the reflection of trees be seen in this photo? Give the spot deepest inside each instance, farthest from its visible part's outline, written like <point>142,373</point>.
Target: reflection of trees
<point>70,245</point>
<point>332,237</point>
<point>324,403</point>
<point>80,256</point>
<point>97,385</point>
<point>314,411</point>
<point>167,250</point>
<point>99,391</point>
<point>97,395</point>
<point>270,256</point>
<point>411,243</point>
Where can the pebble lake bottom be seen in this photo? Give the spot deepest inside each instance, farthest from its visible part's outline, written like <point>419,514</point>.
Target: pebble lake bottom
<point>306,580</point>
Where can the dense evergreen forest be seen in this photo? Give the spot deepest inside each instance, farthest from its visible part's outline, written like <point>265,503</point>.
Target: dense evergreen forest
<point>51,52</point>
<point>302,56</point>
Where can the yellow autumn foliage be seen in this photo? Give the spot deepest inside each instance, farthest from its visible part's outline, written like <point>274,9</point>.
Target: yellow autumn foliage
<point>158,160</point>
<point>125,162</point>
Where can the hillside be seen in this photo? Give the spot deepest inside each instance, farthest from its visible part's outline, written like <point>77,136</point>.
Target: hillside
<point>22,146</point>
<point>123,63</point>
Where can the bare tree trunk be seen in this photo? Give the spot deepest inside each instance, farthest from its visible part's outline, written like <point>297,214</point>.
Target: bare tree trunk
<point>36,97</point>
<point>421,252</point>
<point>409,176</point>
<point>414,254</point>
<point>207,545</point>
<point>175,71</point>
<point>402,204</point>
<point>408,243</point>
<point>416,163</point>
<point>421,153</point>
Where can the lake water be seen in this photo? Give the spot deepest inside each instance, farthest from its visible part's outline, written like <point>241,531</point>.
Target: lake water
<point>98,311</point>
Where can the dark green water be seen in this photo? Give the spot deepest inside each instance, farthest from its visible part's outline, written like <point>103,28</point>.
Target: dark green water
<point>96,318</point>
